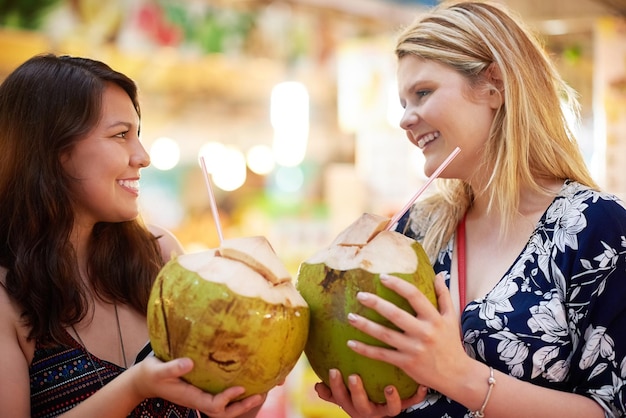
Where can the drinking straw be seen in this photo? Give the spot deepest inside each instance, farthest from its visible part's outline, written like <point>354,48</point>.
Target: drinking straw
<point>433,176</point>
<point>216,214</point>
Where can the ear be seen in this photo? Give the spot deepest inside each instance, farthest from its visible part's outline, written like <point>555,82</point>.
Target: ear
<point>64,157</point>
<point>493,79</point>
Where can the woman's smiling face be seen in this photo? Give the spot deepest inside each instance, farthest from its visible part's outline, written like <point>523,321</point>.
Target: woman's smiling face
<point>106,163</point>
<point>441,113</point>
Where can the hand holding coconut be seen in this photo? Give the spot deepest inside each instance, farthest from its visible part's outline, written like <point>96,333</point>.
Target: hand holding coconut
<point>331,281</point>
<point>419,345</point>
<point>234,311</point>
<point>156,379</point>
<point>359,312</point>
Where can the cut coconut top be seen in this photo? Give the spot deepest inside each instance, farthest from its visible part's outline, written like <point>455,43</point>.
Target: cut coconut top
<point>240,277</point>
<point>257,253</point>
<point>387,252</point>
<point>366,245</point>
<point>362,230</point>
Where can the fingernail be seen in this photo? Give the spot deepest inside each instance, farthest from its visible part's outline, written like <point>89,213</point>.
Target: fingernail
<point>351,343</point>
<point>384,276</point>
<point>332,373</point>
<point>362,296</point>
<point>352,317</point>
<point>185,362</point>
<point>389,390</point>
<point>352,379</point>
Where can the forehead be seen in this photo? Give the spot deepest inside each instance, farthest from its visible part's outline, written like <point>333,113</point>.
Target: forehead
<point>413,68</point>
<point>116,102</point>
<point>415,71</point>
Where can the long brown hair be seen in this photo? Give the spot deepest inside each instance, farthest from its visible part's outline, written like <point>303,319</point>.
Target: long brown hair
<point>530,138</point>
<point>46,105</point>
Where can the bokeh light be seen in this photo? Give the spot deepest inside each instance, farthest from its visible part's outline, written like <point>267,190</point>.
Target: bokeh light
<point>164,153</point>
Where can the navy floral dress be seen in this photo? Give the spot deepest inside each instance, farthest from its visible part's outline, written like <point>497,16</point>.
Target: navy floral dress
<point>558,316</point>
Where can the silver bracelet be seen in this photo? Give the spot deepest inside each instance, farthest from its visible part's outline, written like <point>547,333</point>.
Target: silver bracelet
<point>492,382</point>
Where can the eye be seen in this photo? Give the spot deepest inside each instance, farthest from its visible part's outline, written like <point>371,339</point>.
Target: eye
<point>422,93</point>
<point>122,134</point>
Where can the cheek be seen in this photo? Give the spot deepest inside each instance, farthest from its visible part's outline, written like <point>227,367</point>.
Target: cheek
<point>472,121</point>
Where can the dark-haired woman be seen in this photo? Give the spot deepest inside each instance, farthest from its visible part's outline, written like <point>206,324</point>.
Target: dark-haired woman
<point>76,261</point>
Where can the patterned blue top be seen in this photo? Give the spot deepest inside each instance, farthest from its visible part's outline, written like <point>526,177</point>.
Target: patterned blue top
<point>63,376</point>
<point>557,318</point>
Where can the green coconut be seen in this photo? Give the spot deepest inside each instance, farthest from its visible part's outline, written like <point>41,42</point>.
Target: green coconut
<point>234,311</point>
<point>329,282</point>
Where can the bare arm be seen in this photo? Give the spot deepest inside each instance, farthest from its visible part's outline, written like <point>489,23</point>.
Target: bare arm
<point>14,378</point>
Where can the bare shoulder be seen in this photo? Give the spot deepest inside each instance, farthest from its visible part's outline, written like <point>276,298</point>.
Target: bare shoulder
<point>17,353</point>
<point>170,245</point>
<point>8,309</point>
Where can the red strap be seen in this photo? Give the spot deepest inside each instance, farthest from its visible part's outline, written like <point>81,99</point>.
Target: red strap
<point>461,261</point>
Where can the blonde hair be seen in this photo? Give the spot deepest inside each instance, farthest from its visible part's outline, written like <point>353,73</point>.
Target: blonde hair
<point>530,138</point>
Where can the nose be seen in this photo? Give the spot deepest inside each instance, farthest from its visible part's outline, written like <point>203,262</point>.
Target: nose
<point>140,156</point>
<point>409,119</point>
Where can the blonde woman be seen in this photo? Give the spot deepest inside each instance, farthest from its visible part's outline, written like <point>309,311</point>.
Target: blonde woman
<point>531,255</point>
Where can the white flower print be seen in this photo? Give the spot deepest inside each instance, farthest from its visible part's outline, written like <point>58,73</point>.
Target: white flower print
<point>569,224</point>
<point>605,395</point>
<point>549,319</point>
<point>598,344</point>
<point>512,351</point>
<point>558,371</point>
<point>598,370</point>
<point>541,249</point>
<point>431,398</point>
<point>608,257</point>
<point>497,301</point>
<point>469,339</point>
<point>544,364</point>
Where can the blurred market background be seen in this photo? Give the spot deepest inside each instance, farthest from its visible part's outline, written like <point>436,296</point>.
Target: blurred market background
<point>293,105</point>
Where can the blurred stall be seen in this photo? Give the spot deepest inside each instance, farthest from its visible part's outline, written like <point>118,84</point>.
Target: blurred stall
<point>293,105</point>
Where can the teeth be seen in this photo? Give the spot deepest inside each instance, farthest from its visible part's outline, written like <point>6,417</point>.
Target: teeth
<point>130,184</point>
<point>427,138</point>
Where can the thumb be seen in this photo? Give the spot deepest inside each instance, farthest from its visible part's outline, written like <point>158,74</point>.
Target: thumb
<point>174,368</point>
<point>182,366</point>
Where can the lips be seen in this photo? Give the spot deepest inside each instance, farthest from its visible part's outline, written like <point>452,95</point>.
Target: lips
<point>425,139</point>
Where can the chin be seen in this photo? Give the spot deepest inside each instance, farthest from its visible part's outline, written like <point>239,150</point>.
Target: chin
<point>429,169</point>
<point>130,216</point>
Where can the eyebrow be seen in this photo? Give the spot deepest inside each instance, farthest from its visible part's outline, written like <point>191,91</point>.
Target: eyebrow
<point>415,85</point>
<point>128,125</point>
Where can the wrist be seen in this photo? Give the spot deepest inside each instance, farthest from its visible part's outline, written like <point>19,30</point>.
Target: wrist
<point>470,384</point>
<point>137,391</point>
<point>491,383</point>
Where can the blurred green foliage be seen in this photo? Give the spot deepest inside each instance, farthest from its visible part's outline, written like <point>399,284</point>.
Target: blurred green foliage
<point>212,29</point>
<point>24,14</point>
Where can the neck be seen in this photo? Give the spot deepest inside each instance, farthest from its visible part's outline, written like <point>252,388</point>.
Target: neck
<point>531,205</point>
<point>79,238</point>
